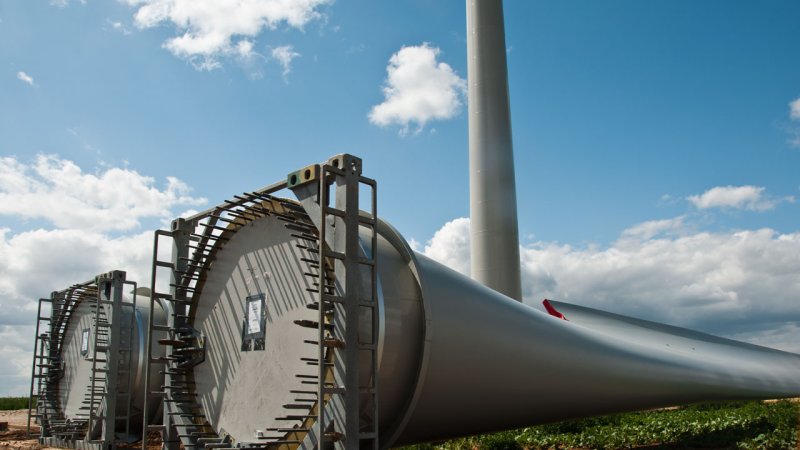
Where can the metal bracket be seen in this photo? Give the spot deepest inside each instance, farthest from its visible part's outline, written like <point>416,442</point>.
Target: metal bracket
<point>302,176</point>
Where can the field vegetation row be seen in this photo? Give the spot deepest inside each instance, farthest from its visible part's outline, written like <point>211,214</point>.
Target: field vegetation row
<point>740,425</point>
<point>10,403</point>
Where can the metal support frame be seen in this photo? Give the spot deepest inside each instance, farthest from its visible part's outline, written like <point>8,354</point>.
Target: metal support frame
<point>96,427</point>
<point>38,360</point>
<point>182,422</point>
<point>181,231</point>
<point>347,405</point>
<point>341,393</point>
<point>176,413</point>
<point>126,346</point>
<point>49,369</point>
<point>110,289</point>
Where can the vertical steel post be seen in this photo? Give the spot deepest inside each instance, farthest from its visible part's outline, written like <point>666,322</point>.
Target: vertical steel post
<point>181,231</point>
<point>110,287</point>
<point>148,351</point>
<point>354,292</point>
<point>33,366</point>
<point>94,407</point>
<point>346,238</point>
<point>493,200</point>
<point>129,364</point>
<point>324,192</point>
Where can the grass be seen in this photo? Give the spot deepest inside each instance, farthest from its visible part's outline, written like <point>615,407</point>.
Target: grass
<point>9,403</point>
<point>740,425</point>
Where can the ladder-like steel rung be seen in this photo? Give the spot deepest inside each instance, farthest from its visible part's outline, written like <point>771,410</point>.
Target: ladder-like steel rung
<point>334,211</point>
<point>208,236</point>
<point>173,342</point>
<point>312,324</point>
<point>210,440</point>
<point>291,417</point>
<point>294,391</point>
<point>298,226</point>
<point>166,264</point>
<point>187,349</point>
<point>315,306</point>
<point>183,414</point>
<point>307,248</point>
<point>333,254</point>
<point>214,227</point>
<point>276,442</point>
<point>332,298</point>
<point>297,406</point>
<point>367,220</point>
<point>305,237</point>
<point>366,261</point>
<point>286,430</point>
<point>336,343</point>
<point>178,286</point>
<point>186,274</point>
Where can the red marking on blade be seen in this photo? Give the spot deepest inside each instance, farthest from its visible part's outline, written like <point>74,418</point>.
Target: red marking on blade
<point>552,310</point>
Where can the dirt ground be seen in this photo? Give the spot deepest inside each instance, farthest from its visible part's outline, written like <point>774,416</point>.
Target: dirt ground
<point>16,436</point>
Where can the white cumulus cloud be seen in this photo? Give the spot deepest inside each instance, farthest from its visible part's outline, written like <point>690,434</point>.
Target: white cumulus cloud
<point>652,228</point>
<point>16,348</point>
<point>40,261</point>
<point>740,284</point>
<point>450,245</point>
<point>117,27</point>
<point>25,78</point>
<point>64,3</point>
<point>96,227</point>
<point>285,55</point>
<point>58,190</point>
<point>750,198</point>
<point>418,89</point>
<point>794,109</point>
<point>792,129</point>
<point>212,29</point>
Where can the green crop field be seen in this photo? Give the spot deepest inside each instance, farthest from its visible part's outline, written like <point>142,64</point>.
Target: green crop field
<point>740,425</point>
<point>7,403</point>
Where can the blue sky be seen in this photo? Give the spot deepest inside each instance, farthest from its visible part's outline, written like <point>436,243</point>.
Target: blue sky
<point>614,105</point>
<point>626,115</point>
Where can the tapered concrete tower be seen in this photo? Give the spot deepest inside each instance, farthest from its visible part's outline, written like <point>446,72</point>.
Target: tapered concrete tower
<point>493,198</point>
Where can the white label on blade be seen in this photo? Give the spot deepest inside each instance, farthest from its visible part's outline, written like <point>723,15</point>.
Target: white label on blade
<point>85,341</point>
<point>254,316</point>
